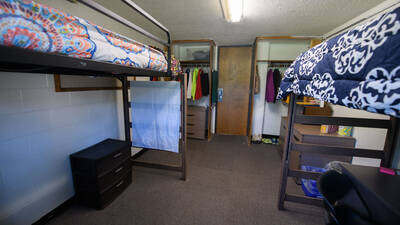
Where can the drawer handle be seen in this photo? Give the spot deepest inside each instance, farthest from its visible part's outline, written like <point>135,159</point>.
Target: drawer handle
<point>190,115</point>
<point>118,170</point>
<point>190,124</point>
<point>119,184</point>
<point>189,133</point>
<point>117,155</point>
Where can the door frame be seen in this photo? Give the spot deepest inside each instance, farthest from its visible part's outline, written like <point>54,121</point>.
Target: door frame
<point>251,86</point>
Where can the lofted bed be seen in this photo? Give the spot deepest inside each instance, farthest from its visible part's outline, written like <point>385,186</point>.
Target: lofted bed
<point>39,39</point>
<point>359,69</point>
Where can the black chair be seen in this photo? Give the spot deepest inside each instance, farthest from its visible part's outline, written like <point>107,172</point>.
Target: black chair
<point>343,202</point>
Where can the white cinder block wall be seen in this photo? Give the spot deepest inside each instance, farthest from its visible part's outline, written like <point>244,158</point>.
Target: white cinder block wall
<point>39,129</point>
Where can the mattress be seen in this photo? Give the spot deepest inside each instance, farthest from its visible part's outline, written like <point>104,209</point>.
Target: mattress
<point>358,69</point>
<point>30,25</point>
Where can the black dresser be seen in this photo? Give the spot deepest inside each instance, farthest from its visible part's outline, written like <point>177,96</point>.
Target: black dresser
<point>101,172</point>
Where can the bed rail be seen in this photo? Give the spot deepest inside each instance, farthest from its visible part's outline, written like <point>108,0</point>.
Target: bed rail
<point>103,10</point>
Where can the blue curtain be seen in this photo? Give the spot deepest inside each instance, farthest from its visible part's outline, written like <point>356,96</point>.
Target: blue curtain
<point>156,115</point>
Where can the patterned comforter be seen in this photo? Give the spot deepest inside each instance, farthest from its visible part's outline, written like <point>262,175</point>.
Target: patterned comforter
<point>359,69</point>
<point>31,25</point>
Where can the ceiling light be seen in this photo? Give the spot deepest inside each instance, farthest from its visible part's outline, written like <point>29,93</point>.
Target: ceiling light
<point>232,9</point>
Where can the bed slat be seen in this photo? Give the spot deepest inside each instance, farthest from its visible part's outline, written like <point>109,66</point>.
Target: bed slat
<point>304,174</point>
<point>334,150</point>
<point>344,121</point>
<point>304,200</point>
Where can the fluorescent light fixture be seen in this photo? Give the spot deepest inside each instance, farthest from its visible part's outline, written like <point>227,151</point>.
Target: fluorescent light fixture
<point>232,9</point>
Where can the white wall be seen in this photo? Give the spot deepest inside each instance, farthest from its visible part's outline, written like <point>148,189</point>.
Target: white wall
<point>369,138</point>
<point>39,129</point>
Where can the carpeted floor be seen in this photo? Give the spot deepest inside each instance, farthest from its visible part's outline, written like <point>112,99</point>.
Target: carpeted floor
<point>228,183</point>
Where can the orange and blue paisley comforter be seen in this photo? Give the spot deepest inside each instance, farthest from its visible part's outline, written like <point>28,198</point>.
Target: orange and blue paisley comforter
<point>34,26</point>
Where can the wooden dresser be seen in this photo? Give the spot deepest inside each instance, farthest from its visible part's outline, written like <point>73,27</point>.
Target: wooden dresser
<point>311,134</point>
<point>197,122</point>
<point>101,172</point>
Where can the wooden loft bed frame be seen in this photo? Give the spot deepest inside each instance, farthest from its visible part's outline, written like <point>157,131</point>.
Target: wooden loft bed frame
<point>291,145</point>
<point>14,59</point>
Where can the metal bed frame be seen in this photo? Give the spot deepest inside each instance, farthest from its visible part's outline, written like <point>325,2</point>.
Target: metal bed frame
<point>292,145</point>
<point>14,59</point>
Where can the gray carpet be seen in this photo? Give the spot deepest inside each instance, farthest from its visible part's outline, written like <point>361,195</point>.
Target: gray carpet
<point>228,183</point>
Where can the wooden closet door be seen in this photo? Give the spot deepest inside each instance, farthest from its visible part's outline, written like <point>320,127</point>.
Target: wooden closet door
<point>234,77</point>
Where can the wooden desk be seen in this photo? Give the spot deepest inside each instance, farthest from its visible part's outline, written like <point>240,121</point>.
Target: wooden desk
<point>311,134</point>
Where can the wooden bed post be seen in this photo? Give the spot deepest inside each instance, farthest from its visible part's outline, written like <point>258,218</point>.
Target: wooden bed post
<point>125,100</point>
<point>183,144</point>
<point>286,153</point>
<point>389,145</point>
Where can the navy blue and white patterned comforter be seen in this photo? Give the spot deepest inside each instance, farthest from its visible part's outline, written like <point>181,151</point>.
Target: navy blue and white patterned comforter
<point>359,69</point>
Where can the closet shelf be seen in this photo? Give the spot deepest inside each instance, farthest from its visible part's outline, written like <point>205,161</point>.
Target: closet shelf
<point>195,62</point>
<point>274,61</point>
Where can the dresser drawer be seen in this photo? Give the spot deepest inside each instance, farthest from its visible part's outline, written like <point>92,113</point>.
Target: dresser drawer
<point>115,174</point>
<point>194,132</point>
<point>108,196</point>
<point>196,118</point>
<point>111,161</point>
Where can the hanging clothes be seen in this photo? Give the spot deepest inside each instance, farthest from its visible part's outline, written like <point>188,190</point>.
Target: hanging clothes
<point>189,84</point>
<point>257,82</point>
<point>270,88</point>
<point>194,82</point>
<point>205,84</point>
<point>214,87</point>
<point>198,94</point>
<point>277,82</point>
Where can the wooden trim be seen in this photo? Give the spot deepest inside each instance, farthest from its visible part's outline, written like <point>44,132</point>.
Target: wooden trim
<point>157,166</point>
<point>251,97</point>
<point>389,142</point>
<point>211,58</point>
<point>304,174</point>
<point>196,61</point>
<point>334,150</point>
<point>304,200</point>
<point>282,37</point>
<point>193,41</point>
<point>315,42</point>
<point>274,61</point>
<point>345,121</point>
<point>58,88</point>
<point>210,63</point>
<point>183,140</point>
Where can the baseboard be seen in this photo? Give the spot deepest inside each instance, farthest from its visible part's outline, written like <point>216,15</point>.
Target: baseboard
<point>55,212</point>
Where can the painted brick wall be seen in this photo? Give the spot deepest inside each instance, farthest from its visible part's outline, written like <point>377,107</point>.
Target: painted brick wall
<point>39,129</point>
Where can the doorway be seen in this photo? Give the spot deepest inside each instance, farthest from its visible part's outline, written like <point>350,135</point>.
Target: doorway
<point>234,66</point>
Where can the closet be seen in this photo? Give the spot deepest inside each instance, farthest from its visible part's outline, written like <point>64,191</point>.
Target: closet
<point>197,60</point>
<point>271,53</point>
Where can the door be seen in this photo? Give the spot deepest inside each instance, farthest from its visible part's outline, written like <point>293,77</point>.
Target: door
<point>234,66</point>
